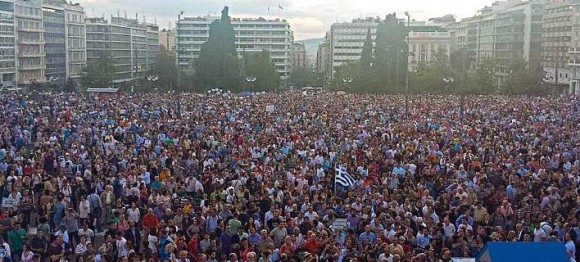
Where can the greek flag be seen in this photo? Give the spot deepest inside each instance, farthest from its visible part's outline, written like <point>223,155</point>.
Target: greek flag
<point>343,178</point>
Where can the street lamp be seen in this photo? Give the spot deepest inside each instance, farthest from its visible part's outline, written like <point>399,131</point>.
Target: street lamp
<point>152,79</point>
<point>250,80</point>
<point>448,80</point>
<point>179,50</point>
<point>347,80</point>
<point>407,69</point>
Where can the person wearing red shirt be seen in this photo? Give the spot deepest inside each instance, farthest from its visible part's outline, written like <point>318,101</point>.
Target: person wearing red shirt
<point>193,245</point>
<point>150,220</point>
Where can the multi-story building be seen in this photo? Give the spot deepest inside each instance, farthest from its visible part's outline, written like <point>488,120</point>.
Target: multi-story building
<point>30,42</point>
<point>125,41</point>
<point>574,52</point>
<point>464,35</point>
<point>55,40</point>
<point>7,44</point>
<point>346,41</point>
<point>152,40</point>
<point>506,31</point>
<point>76,55</point>
<point>299,56</point>
<point>167,39</point>
<point>559,20</point>
<point>252,35</point>
<point>322,57</point>
<point>425,41</point>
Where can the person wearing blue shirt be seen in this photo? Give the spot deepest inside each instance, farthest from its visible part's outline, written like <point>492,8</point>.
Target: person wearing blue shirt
<point>423,238</point>
<point>146,177</point>
<point>367,236</point>
<point>399,170</point>
<point>467,216</point>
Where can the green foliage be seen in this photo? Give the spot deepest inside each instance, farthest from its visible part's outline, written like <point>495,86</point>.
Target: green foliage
<point>218,63</point>
<point>523,79</point>
<point>166,71</point>
<point>99,73</point>
<point>482,79</point>
<point>260,65</point>
<point>302,77</point>
<point>367,53</point>
<point>390,56</point>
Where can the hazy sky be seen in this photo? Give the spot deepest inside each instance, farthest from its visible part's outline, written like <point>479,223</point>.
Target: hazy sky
<point>308,18</point>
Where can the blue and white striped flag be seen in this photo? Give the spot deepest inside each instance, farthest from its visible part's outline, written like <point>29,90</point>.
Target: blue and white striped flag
<point>343,178</point>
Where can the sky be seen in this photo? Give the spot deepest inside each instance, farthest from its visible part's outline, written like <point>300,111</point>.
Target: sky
<point>307,18</point>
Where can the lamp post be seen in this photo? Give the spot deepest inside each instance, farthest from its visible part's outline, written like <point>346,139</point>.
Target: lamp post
<point>250,80</point>
<point>448,81</point>
<point>179,50</point>
<point>407,64</point>
<point>347,80</point>
<point>153,79</point>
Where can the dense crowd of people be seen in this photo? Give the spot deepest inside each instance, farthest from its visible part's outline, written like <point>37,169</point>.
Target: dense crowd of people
<point>178,178</point>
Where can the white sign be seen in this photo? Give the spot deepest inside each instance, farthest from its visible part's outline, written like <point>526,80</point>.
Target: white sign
<point>270,108</point>
<point>7,202</point>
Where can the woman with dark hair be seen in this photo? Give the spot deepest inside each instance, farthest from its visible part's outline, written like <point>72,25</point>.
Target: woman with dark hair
<point>27,254</point>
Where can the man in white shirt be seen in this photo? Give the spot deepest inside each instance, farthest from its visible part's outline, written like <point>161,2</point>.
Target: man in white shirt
<point>121,243</point>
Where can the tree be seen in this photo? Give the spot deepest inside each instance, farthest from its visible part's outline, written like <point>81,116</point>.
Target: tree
<point>99,72</point>
<point>437,77</point>
<point>166,71</point>
<point>390,60</point>
<point>523,79</point>
<point>260,65</point>
<point>482,78</point>
<point>301,77</point>
<point>367,53</point>
<point>218,63</point>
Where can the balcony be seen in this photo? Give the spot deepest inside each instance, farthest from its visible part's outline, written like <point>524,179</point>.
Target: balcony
<point>31,54</point>
<point>32,67</point>
<point>31,42</point>
<point>7,70</point>
<point>32,30</point>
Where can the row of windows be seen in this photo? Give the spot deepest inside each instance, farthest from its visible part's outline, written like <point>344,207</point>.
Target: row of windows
<point>75,18</point>
<point>77,56</point>
<point>25,24</point>
<point>28,11</point>
<point>7,64</point>
<point>76,43</point>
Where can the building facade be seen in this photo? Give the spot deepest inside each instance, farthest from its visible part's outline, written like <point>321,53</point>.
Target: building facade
<point>7,44</point>
<point>425,41</point>
<point>252,35</point>
<point>322,57</point>
<point>299,56</point>
<point>506,31</point>
<point>30,60</point>
<point>152,39</point>
<point>55,41</point>
<point>125,41</point>
<point>559,47</point>
<point>346,41</point>
<point>574,52</point>
<point>76,55</point>
<point>167,39</point>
